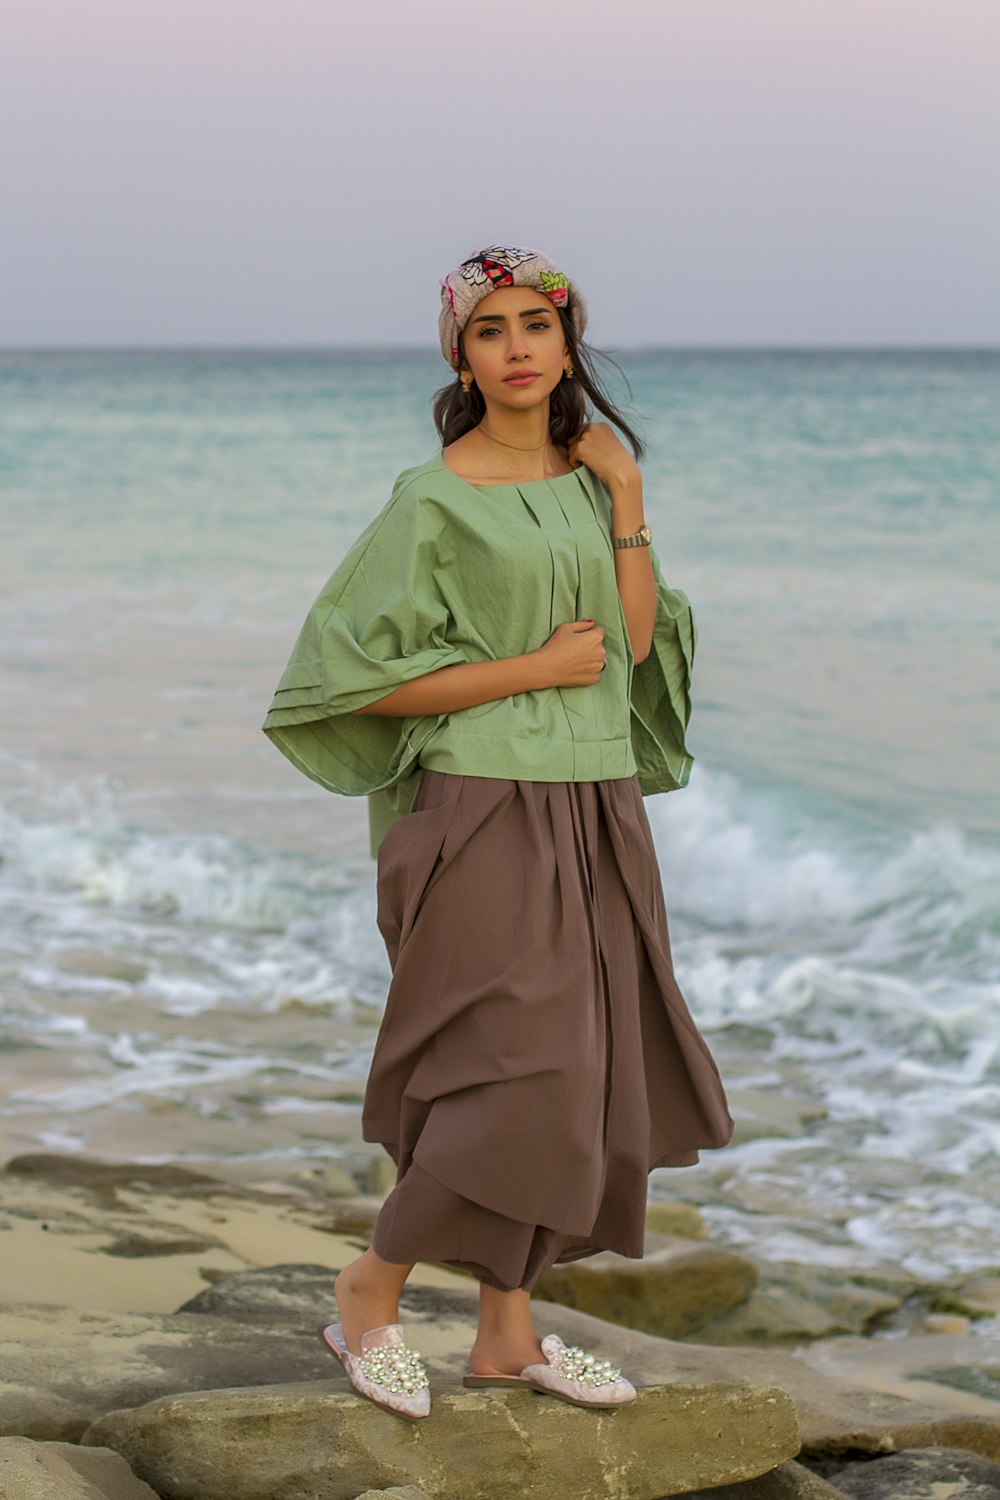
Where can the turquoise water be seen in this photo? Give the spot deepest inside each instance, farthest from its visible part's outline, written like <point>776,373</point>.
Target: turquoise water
<point>188,926</point>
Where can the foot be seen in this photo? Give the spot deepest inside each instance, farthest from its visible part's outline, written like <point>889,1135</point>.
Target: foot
<point>363,1304</point>
<point>504,1356</point>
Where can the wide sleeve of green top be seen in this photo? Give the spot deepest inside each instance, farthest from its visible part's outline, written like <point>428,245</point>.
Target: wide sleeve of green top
<point>380,620</point>
<point>661,693</point>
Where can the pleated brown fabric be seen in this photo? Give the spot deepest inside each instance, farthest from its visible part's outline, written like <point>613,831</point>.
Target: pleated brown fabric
<point>536,1058</point>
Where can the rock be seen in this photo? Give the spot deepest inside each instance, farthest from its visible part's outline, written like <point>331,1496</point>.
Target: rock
<point>97,965</point>
<point>59,1369</point>
<point>331,1180</point>
<point>107,1471</point>
<point>888,1394</point>
<point>102,1180</point>
<point>794,1301</point>
<point>979,1379</point>
<point>922,1474</point>
<point>316,1442</point>
<point>298,1295</point>
<point>787,1482</point>
<point>979,1296</point>
<point>110,1237</point>
<point>946,1323</point>
<point>672,1293</point>
<point>772,1114</point>
<point>355,1215</point>
<point>398,1492</point>
<point>380,1175</point>
<point>62,1471</point>
<point>682,1221</point>
<point>874,1431</point>
<point>135,1246</point>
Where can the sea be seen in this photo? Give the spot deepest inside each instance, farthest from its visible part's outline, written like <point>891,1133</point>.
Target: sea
<point>191,969</point>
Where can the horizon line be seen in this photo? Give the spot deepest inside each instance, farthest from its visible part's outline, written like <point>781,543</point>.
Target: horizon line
<point>664,348</point>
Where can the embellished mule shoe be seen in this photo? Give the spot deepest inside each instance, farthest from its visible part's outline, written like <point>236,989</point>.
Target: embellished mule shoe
<point>385,1371</point>
<point>569,1373</point>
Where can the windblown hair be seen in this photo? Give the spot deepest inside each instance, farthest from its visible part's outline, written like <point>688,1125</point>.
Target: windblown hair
<point>457,411</point>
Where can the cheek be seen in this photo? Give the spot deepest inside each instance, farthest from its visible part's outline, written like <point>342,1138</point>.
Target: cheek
<point>487,357</point>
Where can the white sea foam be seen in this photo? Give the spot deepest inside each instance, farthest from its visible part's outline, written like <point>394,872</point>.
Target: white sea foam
<point>824,954</point>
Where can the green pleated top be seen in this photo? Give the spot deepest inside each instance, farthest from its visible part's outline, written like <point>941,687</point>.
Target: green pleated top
<point>452,572</point>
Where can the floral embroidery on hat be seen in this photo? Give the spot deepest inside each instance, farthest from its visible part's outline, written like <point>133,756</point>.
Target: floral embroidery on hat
<point>501,266</point>
<point>555,286</point>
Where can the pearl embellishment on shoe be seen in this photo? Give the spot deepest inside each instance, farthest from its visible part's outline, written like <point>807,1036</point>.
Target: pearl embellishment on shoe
<point>394,1367</point>
<point>574,1363</point>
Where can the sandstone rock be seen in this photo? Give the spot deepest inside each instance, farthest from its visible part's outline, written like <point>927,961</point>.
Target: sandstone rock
<point>877,1433</point>
<point>136,1246</point>
<point>331,1180</point>
<point>917,1391</point>
<point>946,1323</point>
<point>922,1474</point>
<point>380,1175</point>
<point>107,1471</point>
<point>398,1492</point>
<point>298,1295</point>
<point>794,1301</point>
<point>61,1369</point>
<point>97,965</point>
<point>979,1296</point>
<point>772,1114</point>
<point>61,1471</point>
<point>355,1215</point>
<point>672,1293</point>
<point>317,1443</point>
<point>102,1180</point>
<point>979,1379</point>
<point>682,1221</point>
<point>787,1482</point>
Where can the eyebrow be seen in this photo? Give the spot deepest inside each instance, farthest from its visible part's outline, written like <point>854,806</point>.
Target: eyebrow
<point>529,312</point>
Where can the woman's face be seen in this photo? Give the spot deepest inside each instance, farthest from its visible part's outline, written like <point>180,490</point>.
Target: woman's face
<point>514,331</point>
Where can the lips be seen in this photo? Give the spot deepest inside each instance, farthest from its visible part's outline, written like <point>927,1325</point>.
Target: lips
<point>522,377</point>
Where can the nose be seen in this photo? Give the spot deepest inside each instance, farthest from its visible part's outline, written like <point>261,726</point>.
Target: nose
<point>517,347</point>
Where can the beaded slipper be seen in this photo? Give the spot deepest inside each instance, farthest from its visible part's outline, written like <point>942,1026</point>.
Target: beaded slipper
<point>385,1371</point>
<point>570,1373</point>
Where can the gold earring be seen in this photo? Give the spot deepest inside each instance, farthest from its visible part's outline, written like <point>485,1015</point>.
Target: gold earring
<point>467,385</point>
<point>568,370</point>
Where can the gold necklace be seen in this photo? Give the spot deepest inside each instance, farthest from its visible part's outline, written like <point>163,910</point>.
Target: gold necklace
<point>498,441</point>
<point>513,445</point>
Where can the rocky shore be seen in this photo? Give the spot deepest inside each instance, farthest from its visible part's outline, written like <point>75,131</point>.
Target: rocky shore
<point>156,1343</point>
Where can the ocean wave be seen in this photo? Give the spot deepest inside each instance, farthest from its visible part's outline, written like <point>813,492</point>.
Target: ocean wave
<point>923,901</point>
<point>856,969</point>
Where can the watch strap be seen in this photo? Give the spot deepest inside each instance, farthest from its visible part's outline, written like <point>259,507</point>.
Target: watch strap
<point>640,538</point>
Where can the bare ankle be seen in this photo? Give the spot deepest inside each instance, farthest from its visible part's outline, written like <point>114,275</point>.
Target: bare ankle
<point>370,1273</point>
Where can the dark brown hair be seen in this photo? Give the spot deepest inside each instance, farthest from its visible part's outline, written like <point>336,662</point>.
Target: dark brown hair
<point>457,411</point>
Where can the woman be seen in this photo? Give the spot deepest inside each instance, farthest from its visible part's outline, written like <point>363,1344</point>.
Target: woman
<point>536,1059</point>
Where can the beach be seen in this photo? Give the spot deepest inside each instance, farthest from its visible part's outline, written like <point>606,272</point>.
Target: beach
<point>193,979</point>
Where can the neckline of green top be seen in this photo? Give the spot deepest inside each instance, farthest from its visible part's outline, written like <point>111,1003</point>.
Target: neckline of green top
<point>515,484</point>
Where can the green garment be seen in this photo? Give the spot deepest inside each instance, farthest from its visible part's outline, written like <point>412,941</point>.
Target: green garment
<point>453,572</point>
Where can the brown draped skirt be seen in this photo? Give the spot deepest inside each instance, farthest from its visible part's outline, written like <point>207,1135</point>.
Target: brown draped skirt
<point>536,1058</point>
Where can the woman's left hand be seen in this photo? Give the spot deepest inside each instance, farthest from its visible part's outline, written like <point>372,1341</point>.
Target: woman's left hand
<point>602,450</point>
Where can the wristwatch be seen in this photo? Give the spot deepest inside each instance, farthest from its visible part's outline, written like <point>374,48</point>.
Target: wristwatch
<point>641,538</point>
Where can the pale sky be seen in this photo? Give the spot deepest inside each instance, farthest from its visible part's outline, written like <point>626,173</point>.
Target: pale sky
<point>712,172</point>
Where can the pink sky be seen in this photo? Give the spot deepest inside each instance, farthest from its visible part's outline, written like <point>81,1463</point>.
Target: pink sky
<point>712,171</point>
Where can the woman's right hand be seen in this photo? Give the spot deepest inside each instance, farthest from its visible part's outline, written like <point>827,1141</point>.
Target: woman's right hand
<point>573,655</point>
